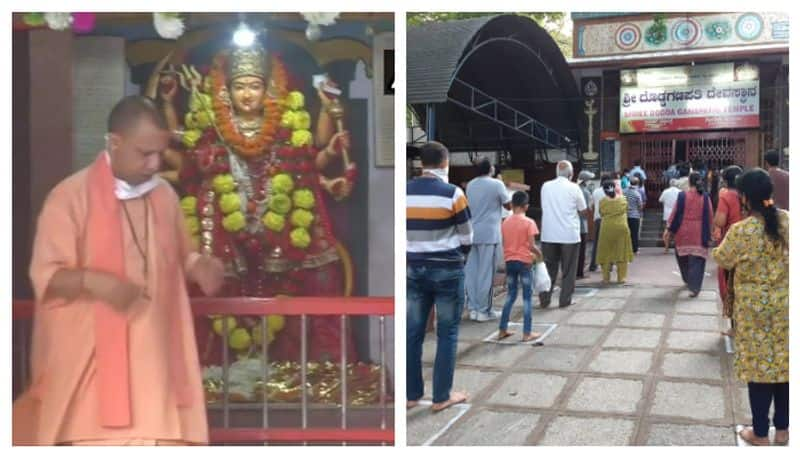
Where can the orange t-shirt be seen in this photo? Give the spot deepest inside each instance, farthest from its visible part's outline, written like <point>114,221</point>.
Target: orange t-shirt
<point>517,232</point>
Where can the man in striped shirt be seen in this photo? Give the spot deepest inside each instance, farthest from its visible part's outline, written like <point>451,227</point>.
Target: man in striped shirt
<point>438,235</point>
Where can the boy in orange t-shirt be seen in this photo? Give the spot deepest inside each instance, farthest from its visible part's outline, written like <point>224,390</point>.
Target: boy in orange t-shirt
<point>519,250</point>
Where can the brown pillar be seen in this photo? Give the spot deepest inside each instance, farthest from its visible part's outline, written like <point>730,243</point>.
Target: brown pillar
<point>752,147</point>
<point>42,143</point>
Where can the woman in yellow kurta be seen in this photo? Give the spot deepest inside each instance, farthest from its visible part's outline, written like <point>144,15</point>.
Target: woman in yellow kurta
<point>758,247</point>
<point>614,244</point>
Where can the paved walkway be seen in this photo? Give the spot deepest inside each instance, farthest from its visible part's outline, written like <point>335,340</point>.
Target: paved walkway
<point>629,365</point>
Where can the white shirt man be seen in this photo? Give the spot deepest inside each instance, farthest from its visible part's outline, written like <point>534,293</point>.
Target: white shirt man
<point>562,201</point>
<point>668,198</point>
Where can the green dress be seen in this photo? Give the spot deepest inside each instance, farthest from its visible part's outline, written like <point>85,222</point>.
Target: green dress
<point>614,244</point>
<point>761,303</point>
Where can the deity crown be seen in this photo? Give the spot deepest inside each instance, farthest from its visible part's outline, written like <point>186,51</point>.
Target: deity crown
<point>251,61</point>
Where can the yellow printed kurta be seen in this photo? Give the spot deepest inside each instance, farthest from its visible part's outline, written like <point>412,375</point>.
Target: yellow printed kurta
<point>64,389</point>
<point>761,308</point>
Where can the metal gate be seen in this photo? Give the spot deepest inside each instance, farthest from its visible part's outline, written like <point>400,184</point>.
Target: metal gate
<point>717,153</point>
<point>656,156</point>
<point>658,153</point>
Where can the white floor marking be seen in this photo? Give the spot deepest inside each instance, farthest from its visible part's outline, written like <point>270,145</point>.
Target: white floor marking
<point>545,328</point>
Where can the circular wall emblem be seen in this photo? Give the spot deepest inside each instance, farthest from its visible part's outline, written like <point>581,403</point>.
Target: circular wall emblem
<point>686,32</point>
<point>628,36</point>
<point>749,26</point>
<point>590,89</point>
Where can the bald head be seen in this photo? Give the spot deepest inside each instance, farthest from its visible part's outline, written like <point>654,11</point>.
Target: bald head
<point>132,109</point>
<point>564,169</point>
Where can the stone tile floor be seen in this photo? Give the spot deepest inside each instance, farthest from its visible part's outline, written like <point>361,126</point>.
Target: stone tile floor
<point>640,364</point>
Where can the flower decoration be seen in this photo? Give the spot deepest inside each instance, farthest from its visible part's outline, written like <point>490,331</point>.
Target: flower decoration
<point>302,218</point>
<point>189,205</point>
<point>295,100</point>
<point>33,19</point>
<point>229,202</point>
<point>303,198</point>
<point>282,183</point>
<point>301,120</point>
<point>234,222</point>
<point>190,138</point>
<point>320,18</point>
<point>301,138</point>
<point>224,183</point>
<point>280,203</point>
<point>300,238</point>
<point>83,22</point>
<point>58,21</point>
<point>192,225</point>
<point>276,323</point>
<point>287,120</point>
<point>168,25</point>
<point>274,221</point>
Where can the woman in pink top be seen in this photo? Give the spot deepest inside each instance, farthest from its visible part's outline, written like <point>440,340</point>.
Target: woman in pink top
<point>729,211</point>
<point>519,250</point>
<point>690,225</point>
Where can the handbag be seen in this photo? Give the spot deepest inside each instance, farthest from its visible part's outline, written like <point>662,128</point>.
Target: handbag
<point>728,299</point>
<point>541,279</point>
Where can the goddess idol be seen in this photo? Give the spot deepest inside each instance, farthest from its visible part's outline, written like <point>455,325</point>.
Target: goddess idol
<point>254,181</point>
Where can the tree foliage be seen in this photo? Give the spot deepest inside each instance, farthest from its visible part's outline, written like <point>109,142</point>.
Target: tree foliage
<point>552,22</point>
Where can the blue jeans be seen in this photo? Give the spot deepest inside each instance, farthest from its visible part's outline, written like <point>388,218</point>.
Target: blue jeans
<point>516,273</point>
<point>426,286</point>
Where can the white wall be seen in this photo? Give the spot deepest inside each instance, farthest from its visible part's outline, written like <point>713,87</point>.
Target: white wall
<point>380,190</point>
<point>99,73</point>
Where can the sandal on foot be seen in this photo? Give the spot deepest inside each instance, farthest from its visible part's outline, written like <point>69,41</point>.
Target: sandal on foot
<point>750,437</point>
<point>781,438</point>
<point>531,337</point>
<point>503,334</point>
<point>412,404</point>
<point>455,398</point>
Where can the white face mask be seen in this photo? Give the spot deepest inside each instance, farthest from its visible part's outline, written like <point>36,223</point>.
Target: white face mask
<point>441,173</point>
<point>125,191</point>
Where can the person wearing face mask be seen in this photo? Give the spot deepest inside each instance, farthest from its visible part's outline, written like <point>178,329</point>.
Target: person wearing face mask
<point>562,206</point>
<point>614,241</point>
<point>114,359</point>
<point>487,197</point>
<point>438,235</point>
<point>690,225</point>
<point>757,248</point>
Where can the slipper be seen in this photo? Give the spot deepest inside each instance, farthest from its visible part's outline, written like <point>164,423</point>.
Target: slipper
<point>750,437</point>
<point>781,433</point>
<point>503,334</point>
<point>531,337</point>
<point>455,398</point>
<point>412,404</point>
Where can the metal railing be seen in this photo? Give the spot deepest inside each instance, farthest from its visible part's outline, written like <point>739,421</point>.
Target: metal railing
<point>345,307</point>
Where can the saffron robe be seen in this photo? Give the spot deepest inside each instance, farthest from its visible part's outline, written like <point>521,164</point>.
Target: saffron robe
<point>61,405</point>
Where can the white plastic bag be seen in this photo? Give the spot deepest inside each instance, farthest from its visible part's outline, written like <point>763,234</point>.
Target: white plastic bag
<point>541,279</point>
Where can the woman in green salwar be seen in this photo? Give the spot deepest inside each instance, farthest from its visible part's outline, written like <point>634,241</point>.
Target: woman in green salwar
<point>614,245</point>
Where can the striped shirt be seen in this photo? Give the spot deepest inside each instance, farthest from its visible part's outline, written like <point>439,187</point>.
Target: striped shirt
<point>437,222</point>
<point>634,202</point>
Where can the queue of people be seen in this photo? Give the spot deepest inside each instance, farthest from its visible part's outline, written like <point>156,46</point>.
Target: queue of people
<point>454,241</point>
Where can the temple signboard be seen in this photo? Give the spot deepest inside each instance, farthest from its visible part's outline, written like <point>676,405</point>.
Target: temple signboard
<point>689,97</point>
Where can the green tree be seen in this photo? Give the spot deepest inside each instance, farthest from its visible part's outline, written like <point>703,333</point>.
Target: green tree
<point>553,23</point>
